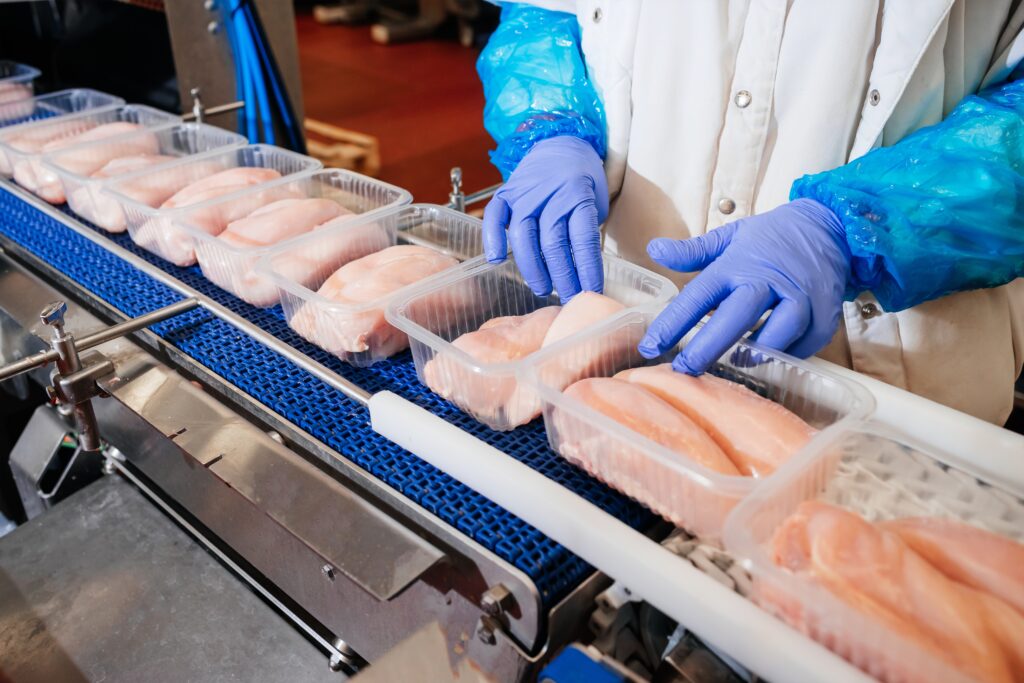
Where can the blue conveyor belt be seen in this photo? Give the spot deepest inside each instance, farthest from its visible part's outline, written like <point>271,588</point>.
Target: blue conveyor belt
<point>319,409</point>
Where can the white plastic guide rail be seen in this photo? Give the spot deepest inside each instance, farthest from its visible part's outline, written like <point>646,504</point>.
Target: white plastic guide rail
<point>720,616</point>
<point>723,618</point>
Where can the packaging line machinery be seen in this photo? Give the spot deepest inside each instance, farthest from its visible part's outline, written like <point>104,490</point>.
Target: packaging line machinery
<point>356,502</point>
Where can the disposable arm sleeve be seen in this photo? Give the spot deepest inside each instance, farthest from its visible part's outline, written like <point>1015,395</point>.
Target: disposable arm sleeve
<point>941,211</point>
<point>536,86</point>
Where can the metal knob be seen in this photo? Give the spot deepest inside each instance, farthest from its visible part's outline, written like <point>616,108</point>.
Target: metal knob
<point>53,314</point>
<point>456,198</point>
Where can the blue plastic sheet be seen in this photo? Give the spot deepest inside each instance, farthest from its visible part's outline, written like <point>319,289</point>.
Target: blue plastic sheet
<point>939,212</point>
<point>536,85</point>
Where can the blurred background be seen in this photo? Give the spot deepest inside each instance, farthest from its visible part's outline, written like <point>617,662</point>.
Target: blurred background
<point>389,87</point>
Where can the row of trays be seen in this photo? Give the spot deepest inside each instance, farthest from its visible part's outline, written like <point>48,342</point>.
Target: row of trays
<point>849,463</point>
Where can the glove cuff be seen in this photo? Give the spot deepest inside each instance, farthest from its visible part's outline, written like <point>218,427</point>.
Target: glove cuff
<point>513,148</point>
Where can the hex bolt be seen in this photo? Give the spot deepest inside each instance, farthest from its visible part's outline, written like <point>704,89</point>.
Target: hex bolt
<point>497,600</point>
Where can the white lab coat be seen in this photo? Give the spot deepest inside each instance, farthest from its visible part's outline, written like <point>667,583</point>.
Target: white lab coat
<point>820,82</point>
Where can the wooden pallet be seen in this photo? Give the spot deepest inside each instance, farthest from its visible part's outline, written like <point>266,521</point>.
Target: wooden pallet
<point>340,148</point>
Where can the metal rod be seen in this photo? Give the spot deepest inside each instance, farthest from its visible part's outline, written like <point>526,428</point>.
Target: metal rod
<point>481,195</point>
<point>213,111</point>
<point>102,336</point>
<point>352,391</point>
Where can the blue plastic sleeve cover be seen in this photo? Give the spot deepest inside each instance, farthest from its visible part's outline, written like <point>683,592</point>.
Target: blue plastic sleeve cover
<point>939,212</point>
<point>536,86</point>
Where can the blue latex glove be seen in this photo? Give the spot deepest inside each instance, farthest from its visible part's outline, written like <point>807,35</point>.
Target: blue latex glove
<point>552,205</point>
<point>793,259</point>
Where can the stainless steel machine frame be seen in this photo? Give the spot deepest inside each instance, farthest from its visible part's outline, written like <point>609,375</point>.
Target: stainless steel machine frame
<point>356,565</point>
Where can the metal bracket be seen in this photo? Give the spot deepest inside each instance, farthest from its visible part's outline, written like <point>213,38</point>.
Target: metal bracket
<point>459,200</point>
<point>73,384</point>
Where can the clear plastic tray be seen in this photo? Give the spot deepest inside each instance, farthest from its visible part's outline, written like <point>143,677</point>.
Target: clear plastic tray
<point>880,475</point>
<point>683,491</point>
<point>448,307</point>
<point>233,267</point>
<point>26,166</point>
<point>154,229</point>
<point>320,319</point>
<point>16,89</point>
<point>87,196</point>
<point>60,103</point>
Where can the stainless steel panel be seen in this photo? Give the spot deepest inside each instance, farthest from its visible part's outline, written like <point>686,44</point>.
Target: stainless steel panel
<point>104,587</point>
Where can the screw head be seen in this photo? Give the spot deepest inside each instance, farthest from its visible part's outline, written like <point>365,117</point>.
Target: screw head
<point>328,571</point>
<point>213,27</point>
<point>485,631</point>
<point>53,313</point>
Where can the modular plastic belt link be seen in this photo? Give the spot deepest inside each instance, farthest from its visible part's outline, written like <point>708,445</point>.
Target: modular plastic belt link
<point>319,409</point>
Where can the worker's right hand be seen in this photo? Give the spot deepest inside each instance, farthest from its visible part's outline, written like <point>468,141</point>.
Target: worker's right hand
<point>552,207</point>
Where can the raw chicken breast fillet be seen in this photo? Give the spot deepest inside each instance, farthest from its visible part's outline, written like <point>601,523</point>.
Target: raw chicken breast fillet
<point>163,237</point>
<point>504,401</point>
<point>969,555</point>
<point>15,102</point>
<point>758,435</point>
<point>98,205</point>
<point>353,334</point>
<point>494,400</point>
<point>229,260</point>
<point>619,462</point>
<point>30,140</point>
<point>86,161</point>
<point>875,573</point>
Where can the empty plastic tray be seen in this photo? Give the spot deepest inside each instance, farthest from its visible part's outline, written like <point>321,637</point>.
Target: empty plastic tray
<point>141,194</point>
<point>232,266</point>
<point>358,333</point>
<point>77,166</point>
<point>880,475</point>
<point>449,306</point>
<point>680,489</point>
<point>21,146</point>
<point>60,103</point>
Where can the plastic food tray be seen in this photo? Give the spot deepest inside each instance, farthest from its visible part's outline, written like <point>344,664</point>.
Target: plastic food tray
<point>60,103</point>
<point>880,475</point>
<point>320,318</point>
<point>16,89</point>
<point>154,229</point>
<point>87,196</point>
<point>26,167</point>
<point>233,267</point>
<point>683,491</point>
<point>449,306</point>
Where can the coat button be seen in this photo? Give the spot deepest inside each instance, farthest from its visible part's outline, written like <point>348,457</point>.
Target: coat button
<point>598,14</point>
<point>726,205</point>
<point>742,99</point>
<point>869,310</point>
<point>874,97</point>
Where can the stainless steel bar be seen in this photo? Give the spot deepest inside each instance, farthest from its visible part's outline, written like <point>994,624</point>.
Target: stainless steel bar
<point>100,337</point>
<point>481,195</point>
<point>213,111</point>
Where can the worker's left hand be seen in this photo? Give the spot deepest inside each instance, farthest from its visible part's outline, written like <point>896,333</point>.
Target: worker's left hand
<point>793,259</point>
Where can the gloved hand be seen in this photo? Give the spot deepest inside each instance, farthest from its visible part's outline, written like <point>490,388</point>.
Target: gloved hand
<point>793,259</point>
<point>552,205</point>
